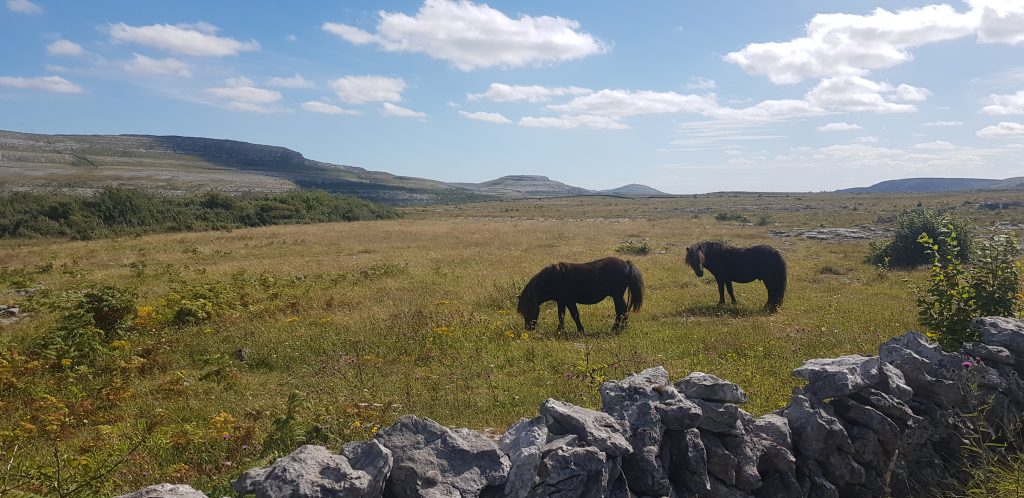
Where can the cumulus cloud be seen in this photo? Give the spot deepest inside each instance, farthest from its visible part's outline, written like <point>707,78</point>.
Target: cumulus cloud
<point>389,109</point>
<point>240,94</point>
<point>170,66</point>
<point>853,45</point>
<point>855,94</point>
<point>487,117</point>
<point>54,84</point>
<point>933,124</point>
<point>576,121</point>
<point>841,126</point>
<point>325,108</point>
<point>23,7</point>
<point>500,92</point>
<point>65,47</point>
<point>363,89</point>
<point>474,36</point>
<point>1000,21</point>
<point>1003,129</point>
<point>1001,105</point>
<point>622,103</point>
<point>296,81</point>
<point>199,39</point>
<point>911,93</point>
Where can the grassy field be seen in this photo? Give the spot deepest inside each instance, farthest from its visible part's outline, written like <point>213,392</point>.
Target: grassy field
<point>358,323</point>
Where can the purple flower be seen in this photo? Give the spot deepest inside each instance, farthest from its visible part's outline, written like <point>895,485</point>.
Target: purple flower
<point>226,436</point>
<point>967,364</point>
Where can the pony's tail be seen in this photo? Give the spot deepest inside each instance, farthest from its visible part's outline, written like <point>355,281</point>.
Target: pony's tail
<point>777,288</point>
<point>635,283</point>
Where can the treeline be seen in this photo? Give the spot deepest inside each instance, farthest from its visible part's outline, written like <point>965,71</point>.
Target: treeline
<point>120,211</point>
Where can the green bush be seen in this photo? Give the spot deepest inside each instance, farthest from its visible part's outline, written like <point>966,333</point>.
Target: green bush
<point>904,250</point>
<point>957,293</point>
<point>636,247</point>
<point>731,216</point>
<point>88,323</point>
<point>120,211</point>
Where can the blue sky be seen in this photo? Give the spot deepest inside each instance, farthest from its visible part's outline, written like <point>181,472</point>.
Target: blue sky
<point>686,97</point>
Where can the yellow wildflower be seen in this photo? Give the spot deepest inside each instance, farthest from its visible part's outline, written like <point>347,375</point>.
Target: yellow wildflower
<point>66,362</point>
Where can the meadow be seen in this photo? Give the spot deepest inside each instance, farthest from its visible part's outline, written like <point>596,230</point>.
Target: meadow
<point>326,332</point>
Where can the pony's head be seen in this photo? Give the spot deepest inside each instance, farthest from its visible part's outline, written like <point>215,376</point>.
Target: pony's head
<point>695,258</point>
<point>528,307</point>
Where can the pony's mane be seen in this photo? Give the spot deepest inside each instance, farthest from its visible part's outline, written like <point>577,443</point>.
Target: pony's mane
<point>704,245</point>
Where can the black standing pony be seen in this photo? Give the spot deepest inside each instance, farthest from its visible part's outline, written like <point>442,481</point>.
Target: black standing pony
<point>583,283</point>
<point>735,264</point>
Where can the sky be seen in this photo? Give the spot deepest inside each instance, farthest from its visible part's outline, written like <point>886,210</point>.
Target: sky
<point>683,96</point>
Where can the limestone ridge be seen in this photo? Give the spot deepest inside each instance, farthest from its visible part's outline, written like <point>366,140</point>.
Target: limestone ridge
<point>883,425</point>
<point>176,164</point>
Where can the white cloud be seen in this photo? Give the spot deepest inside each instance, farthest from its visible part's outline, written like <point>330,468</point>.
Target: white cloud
<point>623,103</point>
<point>577,121</point>
<point>363,89</point>
<point>240,94</point>
<point>474,36</point>
<point>1003,129</point>
<point>500,92</point>
<point>488,117</point>
<point>325,108</point>
<point>1002,105</point>
<point>64,47</point>
<point>197,39</point>
<point>23,7</point>
<point>1000,21</point>
<point>932,124</point>
<point>912,93</point>
<point>936,145</point>
<point>296,81</point>
<point>291,38</point>
<point>163,67</point>
<point>701,84</point>
<point>766,111</point>
<point>389,109</point>
<point>853,45</point>
<point>841,126</point>
<point>855,94</point>
<point>54,84</point>
<point>868,139</point>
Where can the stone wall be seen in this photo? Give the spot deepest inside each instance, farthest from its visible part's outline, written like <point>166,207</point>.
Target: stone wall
<point>887,425</point>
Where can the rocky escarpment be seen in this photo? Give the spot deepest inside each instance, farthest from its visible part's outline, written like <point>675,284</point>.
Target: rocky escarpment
<point>886,425</point>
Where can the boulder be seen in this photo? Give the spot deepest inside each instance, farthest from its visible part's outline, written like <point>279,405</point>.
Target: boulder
<point>649,385</point>
<point>815,432</point>
<point>831,377</point>
<point>432,460</point>
<point>710,388</point>
<point>775,428</point>
<point>166,491</point>
<point>986,353</point>
<point>314,471</point>
<point>593,428</point>
<point>568,471</point>
<point>723,418</point>
<point>999,331</point>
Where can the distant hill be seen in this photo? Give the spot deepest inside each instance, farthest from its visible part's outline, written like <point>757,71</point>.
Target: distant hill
<point>940,185</point>
<point>634,190</point>
<point>175,164</point>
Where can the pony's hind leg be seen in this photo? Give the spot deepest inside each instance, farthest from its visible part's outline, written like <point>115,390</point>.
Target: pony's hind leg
<point>621,313</point>
<point>561,317</point>
<point>728,286</point>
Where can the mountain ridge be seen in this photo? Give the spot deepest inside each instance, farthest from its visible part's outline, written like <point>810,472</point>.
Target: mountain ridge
<point>929,184</point>
<point>178,164</point>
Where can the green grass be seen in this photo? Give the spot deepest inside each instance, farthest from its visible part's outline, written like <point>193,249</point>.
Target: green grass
<point>371,320</point>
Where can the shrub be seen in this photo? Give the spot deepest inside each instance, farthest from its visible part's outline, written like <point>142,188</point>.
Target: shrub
<point>904,250</point>
<point>956,293</point>
<point>731,216</point>
<point>636,247</point>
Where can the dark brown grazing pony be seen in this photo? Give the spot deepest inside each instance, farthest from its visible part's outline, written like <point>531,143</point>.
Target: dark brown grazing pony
<point>583,283</point>
<point>735,264</point>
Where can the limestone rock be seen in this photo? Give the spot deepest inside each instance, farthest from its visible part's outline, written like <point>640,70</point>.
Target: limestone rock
<point>710,388</point>
<point>314,471</point>
<point>166,491</point>
<point>999,331</point>
<point>594,428</point>
<point>831,377</point>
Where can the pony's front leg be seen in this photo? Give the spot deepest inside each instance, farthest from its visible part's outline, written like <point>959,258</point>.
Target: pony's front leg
<point>575,316</point>
<point>728,286</point>
<point>561,317</point>
<point>721,290</point>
